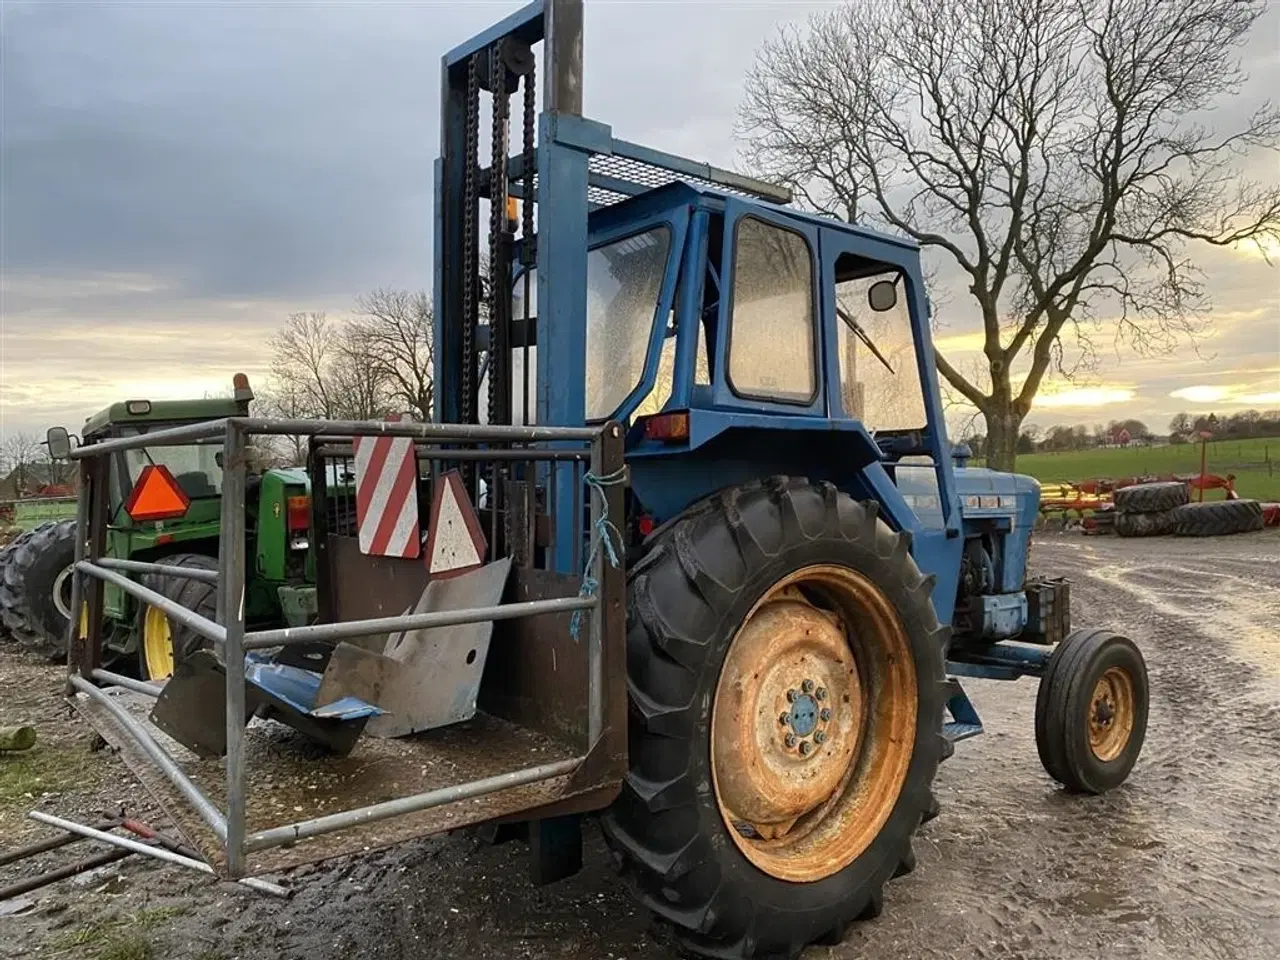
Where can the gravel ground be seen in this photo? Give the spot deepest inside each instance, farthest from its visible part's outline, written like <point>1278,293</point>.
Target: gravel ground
<point>1182,862</point>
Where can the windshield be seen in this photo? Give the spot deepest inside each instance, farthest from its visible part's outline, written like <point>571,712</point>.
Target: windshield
<point>880,386</point>
<point>194,466</point>
<point>624,279</point>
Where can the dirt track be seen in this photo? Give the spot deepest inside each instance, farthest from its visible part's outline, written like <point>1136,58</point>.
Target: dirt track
<point>1183,862</point>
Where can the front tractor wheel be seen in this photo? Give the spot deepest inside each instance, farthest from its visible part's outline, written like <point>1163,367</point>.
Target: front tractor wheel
<point>1091,711</point>
<point>163,642</point>
<point>787,688</point>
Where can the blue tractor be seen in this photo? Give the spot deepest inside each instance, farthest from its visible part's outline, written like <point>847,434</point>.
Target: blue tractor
<point>811,565</point>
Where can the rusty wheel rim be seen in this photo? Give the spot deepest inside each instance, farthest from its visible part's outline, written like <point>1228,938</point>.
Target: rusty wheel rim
<point>1111,714</point>
<point>813,724</point>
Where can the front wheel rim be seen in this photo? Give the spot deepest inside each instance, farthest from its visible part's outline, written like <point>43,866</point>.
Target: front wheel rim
<point>62,592</point>
<point>157,644</point>
<point>1112,713</point>
<point>813,724</point>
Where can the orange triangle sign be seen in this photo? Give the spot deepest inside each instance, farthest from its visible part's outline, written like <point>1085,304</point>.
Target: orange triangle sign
<point>156,495</point>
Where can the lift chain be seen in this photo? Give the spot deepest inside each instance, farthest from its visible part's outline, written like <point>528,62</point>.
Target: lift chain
<point>528,250</point>
<point>470,247</point>
<point>499,276</point>
<point>499,243</point>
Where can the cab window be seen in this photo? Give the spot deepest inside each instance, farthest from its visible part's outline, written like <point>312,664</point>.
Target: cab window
<point>771,339</point>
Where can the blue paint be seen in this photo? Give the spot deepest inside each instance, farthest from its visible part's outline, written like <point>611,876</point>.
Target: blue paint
<point>803,718</point>
<point>964,722</point>
<point>1003,615</point>
<point>298,688</point>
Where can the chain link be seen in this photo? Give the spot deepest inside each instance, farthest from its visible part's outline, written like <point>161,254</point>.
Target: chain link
<point>528,250</point>
<point>470,251</point>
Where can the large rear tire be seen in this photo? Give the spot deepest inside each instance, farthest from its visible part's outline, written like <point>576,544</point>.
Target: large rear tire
<point>1144,524</point>
<point>1218,518</point>
<point>162,641</point>
<point>1151,497</point>
<point>36,598</point>
<point>739,613</point>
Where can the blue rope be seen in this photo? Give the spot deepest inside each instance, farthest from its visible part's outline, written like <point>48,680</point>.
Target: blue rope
<point>605,532</point>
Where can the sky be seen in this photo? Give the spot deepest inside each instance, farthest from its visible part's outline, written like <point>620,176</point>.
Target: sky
<point>176,178</point>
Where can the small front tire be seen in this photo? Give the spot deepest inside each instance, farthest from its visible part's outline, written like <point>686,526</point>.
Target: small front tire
<point>163,642</point>
<point>1091,711</point>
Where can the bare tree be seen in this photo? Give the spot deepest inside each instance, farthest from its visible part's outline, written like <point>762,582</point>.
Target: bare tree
<point>326,368</point>
<point>395,331</point>
<point>19,452</point>
<point>1058,152</point>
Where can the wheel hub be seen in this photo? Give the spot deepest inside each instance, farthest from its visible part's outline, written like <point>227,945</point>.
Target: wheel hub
<point>813,725</point>
<point>795,750</point>
<point>1111,714</point>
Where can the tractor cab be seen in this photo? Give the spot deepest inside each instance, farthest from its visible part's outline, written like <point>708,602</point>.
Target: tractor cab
<point>165,504</point>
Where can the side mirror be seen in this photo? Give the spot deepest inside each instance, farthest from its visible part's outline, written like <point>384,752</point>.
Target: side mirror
<point>59,443</point>
<point>882,295</point>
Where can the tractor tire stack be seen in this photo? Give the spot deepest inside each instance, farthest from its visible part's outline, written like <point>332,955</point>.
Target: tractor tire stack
<point>1146,509</point>
<point>1161,509</point>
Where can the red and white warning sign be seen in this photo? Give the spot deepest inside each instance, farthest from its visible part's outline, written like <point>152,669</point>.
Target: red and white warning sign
<point>387,496</point>
<point>455,542</point>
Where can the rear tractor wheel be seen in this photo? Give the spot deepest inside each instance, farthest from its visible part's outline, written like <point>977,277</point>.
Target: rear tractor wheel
<point>162,642</point>
<point>35,601</point>
<point>787,687</point>
<point>1091,711</point>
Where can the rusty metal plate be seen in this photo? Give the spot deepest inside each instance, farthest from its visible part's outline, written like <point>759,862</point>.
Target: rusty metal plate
<point>368,587</point>
<point>537,673</point>
<point>192,707</point>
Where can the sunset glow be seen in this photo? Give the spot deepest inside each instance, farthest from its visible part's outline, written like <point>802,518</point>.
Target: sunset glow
<point>1085,397</point>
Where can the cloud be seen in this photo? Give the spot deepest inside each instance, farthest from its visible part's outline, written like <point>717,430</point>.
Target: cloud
<point>1083,397</point>
<point>176,178</point>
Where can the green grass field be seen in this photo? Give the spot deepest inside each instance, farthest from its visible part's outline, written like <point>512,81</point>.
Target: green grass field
<point>1254,463</point>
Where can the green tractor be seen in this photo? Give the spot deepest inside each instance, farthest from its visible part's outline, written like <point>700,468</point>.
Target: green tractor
<point>36,595</point>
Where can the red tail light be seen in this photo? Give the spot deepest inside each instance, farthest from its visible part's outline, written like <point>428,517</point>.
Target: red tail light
<point>668,427</point>
<point>298,511</point>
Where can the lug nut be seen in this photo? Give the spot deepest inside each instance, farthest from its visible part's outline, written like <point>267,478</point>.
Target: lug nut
<point>791,696</point>
<point>805,747</point>
<point>821,693</point>
<point>825,714</point>
<point>819,737</point>
<point>807,686</point>
<point>784,718</point>
<point>791,740</point>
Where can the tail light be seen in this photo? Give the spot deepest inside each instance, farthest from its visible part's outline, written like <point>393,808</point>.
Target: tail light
<point>298,513</point>
<point>668,427</point>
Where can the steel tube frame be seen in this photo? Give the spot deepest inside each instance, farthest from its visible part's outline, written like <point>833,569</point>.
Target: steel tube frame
<point>164,569</point>
<point>230,631</point>
<point>128,683</point>
<point>231,600</point>
<point>277,836</point>
<point>168,437</point>
<point>188,618</point>
<point>159,853</point>
<point>351,629</point>
<point>208,812</point>
<point>444,432</point>
<point>333,450</point>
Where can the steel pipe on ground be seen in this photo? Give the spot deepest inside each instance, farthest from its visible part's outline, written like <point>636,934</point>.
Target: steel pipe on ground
<point>208,812</point>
